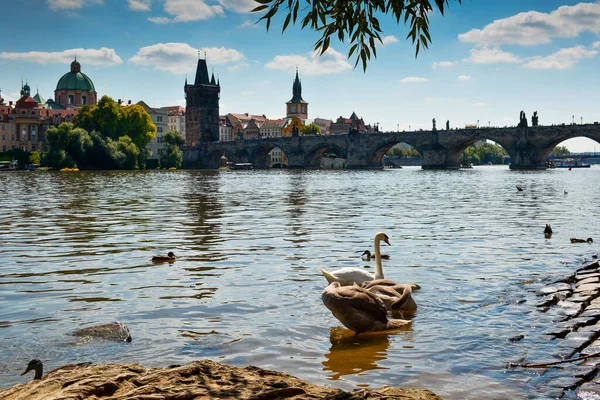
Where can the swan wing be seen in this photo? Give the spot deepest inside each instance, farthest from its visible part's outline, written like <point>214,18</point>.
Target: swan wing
<point>348,276</point>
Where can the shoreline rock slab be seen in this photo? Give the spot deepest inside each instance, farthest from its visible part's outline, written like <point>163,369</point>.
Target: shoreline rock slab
<point>204,379</point>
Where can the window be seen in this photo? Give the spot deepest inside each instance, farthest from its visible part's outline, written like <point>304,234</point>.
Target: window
<point>83,99</point>
<point>3,137</point>
<point>71,99</point>
<point>24,132</point>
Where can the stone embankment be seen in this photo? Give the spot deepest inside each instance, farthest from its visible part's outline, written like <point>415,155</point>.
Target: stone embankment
<point>576,334</point>
<point>198,380</point>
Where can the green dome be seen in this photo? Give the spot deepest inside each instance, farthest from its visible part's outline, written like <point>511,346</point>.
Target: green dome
<point>75,81</point>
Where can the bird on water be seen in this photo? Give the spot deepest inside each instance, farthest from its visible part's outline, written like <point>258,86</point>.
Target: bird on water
<point>548,231</point>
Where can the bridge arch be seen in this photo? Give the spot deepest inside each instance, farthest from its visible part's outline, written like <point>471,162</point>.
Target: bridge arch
<point>455,153</point>
<point>380,151</point>
<point>260,156</point>
<point>315,155</point>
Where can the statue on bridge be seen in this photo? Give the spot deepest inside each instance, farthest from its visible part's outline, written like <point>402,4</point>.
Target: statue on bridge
<point>295,129</point>
<point>522,120</point>
<point>433,121</point>
<point>534,119</point>
<point>447,124</point>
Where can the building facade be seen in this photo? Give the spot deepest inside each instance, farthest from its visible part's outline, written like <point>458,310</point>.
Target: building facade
<point>159,117</point>
<point>202,107</point>
<point>176,119</point>
<point>225,129</point>
<point>74,89</point>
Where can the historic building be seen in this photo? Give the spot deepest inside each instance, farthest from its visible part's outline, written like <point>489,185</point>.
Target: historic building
<point>176,119</point>
<point>297,107</point>
<point>225,129</point>
<point>159,117</point>
<point>74,89</point>
<point>202,107</point>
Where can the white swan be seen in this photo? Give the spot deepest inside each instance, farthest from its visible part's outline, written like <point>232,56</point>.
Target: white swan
<point>349,275</point>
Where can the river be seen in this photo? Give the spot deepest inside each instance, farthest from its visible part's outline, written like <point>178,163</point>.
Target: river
<point>246,286</point>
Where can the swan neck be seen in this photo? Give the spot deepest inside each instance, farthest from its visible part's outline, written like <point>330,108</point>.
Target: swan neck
<point>378,266</point>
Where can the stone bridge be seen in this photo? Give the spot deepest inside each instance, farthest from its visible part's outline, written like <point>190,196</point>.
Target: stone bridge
<point>440,149</point>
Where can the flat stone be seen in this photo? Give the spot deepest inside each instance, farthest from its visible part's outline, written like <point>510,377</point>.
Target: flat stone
<point>585,372</point>
<point>586,274</point>
<point>591,313</point>
<point>565,350</point>
<point>593,306</point>
<point>592,265</point>
<point>547,290</point>
<point>549,300</point>
<point>580,298</point>
<point>566,382</point>
<point>589,391</point>
<point>590,328</point>
<point>561,286</point>
<point>578,322</point>
<point>557,332</point>
<point>581,339</point>
<point>587,287</point>
<point>587,280</point>
<point>590,350</point>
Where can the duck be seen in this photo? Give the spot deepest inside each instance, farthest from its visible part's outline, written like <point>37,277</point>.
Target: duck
<point>588,240</point>
<point>358,309</point>
<point>548,231</point>
<point>395,296</point>
<point>38,367</point>
<point>519,188</point>
<point>367,256</point>
<point>115,331</point>
<point>350,275</point>
<point>170,256</point>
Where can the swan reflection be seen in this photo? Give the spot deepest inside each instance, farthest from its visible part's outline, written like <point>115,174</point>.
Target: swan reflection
<point>350,354</point>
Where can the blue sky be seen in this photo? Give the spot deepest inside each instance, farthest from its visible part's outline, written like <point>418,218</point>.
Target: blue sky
<point>489,60</point>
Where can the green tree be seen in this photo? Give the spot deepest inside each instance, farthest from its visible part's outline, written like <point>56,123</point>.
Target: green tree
<point>560,151</point>
<point>311,129</point>
<point>357,21</point>
<point>136,123</point>
<point>85,118</point>
<point>35,157</point>
<point>173,157</point>
<point>107,117</point>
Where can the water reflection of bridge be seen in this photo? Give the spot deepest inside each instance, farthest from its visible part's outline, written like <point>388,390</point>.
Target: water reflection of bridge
<point>440,149</point>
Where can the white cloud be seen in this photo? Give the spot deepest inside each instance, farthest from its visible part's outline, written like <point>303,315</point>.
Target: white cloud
<point>463,78</point>
<point>413,79</point>
<point>486,55</point>
<point>562,59</point>
<point>58,5</point>
<point>247,92</point>
<point>180,58</point>
<point>187,10</point>
<point>331,62</point>
<point>247,24</point>
<point>480,104</point>
<point>240,6</point>
<point>159,20</point>
<point>596,45</point>
<point>533,28</point>
<point>389,40</point>
<point>237,66</point>
<point>102,56</point>
<point>443,64</point>
<point>139,5</point>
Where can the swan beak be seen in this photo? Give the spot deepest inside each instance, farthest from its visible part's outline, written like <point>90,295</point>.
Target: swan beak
<point>26,371</point>
<point>387,241</point>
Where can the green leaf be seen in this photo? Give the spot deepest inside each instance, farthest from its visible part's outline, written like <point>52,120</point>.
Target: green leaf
<point>286,23</point>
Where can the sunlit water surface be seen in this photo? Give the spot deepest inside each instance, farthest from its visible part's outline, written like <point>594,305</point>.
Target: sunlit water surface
<point>245,289</point>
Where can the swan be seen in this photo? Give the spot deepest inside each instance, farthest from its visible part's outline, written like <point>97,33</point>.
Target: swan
<point>395,296</point>
<point>349,275</point>
<point>164,257</point>
<point>547,231</point>
<point>367,256</point>
<point>358,309</point>
<point>588,240</point>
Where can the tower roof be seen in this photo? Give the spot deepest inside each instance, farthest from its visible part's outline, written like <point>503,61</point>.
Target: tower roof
<point>202,73</point>
<point>297,91</point>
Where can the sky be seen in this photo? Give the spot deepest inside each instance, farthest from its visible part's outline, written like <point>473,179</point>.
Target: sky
<point>489,59</point>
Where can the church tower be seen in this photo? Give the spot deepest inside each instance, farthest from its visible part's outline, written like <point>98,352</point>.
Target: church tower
<point>297,107</point>
<point>202,107</point>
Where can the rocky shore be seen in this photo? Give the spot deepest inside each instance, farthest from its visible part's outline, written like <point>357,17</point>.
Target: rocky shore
<point>575,302</point>
<point>202,379</point>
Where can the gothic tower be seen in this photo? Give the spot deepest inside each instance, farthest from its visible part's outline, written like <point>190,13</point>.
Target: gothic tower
<point>297,107</point>
<point>202,107</point>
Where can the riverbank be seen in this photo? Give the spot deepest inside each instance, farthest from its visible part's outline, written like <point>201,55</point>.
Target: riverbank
<point>202,379</point>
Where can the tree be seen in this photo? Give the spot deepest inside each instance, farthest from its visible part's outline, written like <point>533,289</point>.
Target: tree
<point>356,20</point>
<point>136,123</point>
<point>35,157</point>
<point>311,129</point>
<point>173,157</point>
<point>560,151</point>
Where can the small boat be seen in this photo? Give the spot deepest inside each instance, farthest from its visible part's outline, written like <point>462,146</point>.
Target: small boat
<point>8,165</point>
<point>570,163</point>
<point>69,169</point>
<point>172,169</point>
<point>242,166</point>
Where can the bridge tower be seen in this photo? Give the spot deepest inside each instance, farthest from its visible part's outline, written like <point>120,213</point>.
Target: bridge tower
<point>297,107</point>
<point>202,107</point>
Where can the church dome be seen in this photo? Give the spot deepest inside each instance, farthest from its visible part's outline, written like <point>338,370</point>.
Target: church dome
<point>75,80</point>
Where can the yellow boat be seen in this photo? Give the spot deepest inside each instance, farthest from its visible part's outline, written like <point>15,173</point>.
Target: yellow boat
<point>172,169</point>
<point>70,169</point>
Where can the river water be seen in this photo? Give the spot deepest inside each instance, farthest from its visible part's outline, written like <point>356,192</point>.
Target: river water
<point>246,286</point>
